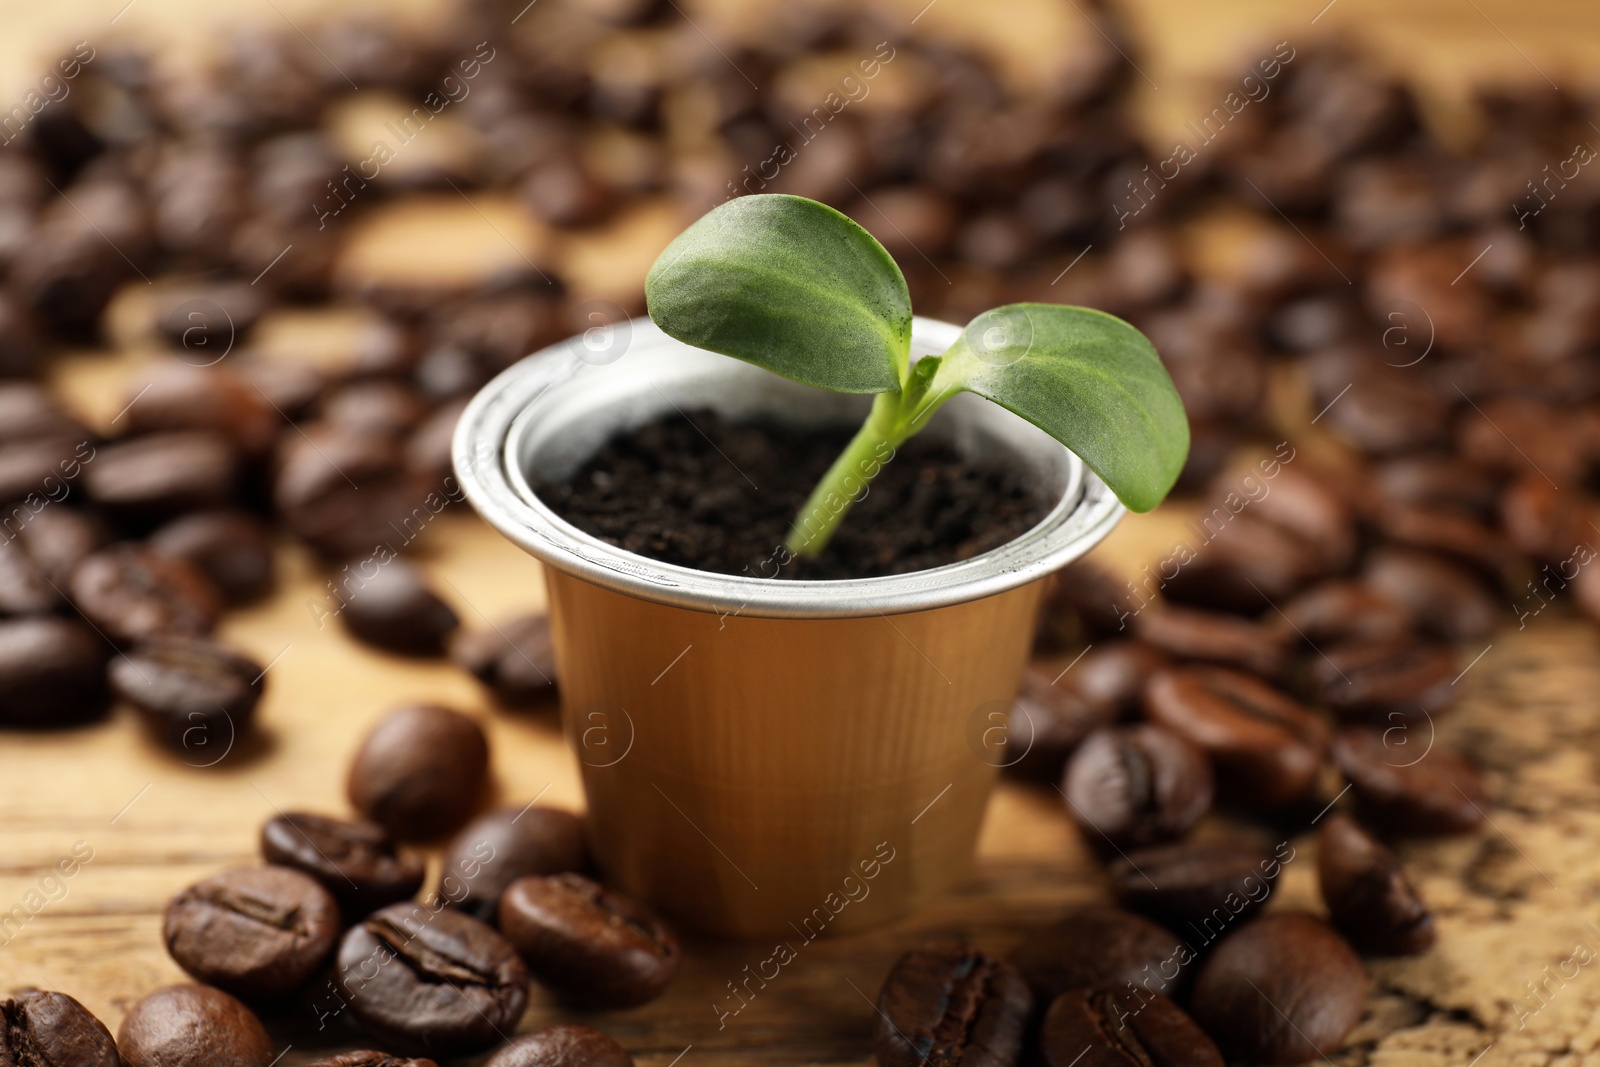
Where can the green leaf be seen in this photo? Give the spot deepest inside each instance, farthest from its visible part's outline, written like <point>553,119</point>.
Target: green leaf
<point>1086,378</point>
<point>791,285</point>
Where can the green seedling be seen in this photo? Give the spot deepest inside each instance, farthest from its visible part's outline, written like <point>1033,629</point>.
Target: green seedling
<point>794,286</point>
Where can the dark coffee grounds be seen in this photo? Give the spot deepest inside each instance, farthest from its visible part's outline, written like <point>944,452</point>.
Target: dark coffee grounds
<point>702,492</point>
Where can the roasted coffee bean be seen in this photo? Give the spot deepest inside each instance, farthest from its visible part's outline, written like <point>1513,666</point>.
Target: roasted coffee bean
<point>435,982</point>
<point>130,593</point>
<point>24,589</point>
<point>1445,598</point>
<point>205,319</point>
<point>368,1058</point>
<point>566,1045</point>
<point>1047,721</point>
<point>498,847</point>
<point>355,861</point>
<point>232,548</point>
<point>587,943</point>
<point>516,659</point>
<point>1339,611</point>
<point>1082,594</point>
<point>1544,522</point>
<point>421,771</point>
<point>1113,673</point>
<point>199,696</point>
<point>1111,1028</point>
<point>427,455</point>
<point>951,1005</point>
<point>55,540</point>
<point>52,673</point>
<point>29,411</point>
<point>1458,536</point>
<point>1385,680</point>
<point>395,610</point>
<point>1200,889</point>
<point>290,389</point>
<point>1433,480</point>
<point>1137,785</point>
<point>380,406</point>
<point>192,1026</point>
<point>37,472</point>
<point>1371,900</point>
<point>256,932</point>
<point>347,492</point>
<point>188,395</point>
<point>1266,748</point>
<point>1211,637</point>
<point>1282,989</point>
<point>1101,946</point>
<point>156,477</point>
<point>1407,786</point>
<point>46,1029</point>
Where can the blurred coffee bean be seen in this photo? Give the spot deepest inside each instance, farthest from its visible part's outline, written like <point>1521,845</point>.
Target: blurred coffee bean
<point>191,1025</point>
<point>435,981</point>
<point>205,320</point>
<point>24,589</point>
<point>1457,536</point>
<point>1339,611</point>
<point>427,454</point>
<point>1112,673</point>
<point>355,861</point>
<point>562,193</point>
<point>908,220</point>
<point>379,406</point>
<point>515,659</point>
<point>293,259</point>
<point>951,1005</point>
<point>55,540</point>
<point>1048,720</point>
<point>291,390</point>
<point>1280,990</point>
<point>1197,888</point>
<point>196,200</point>
<point>1265,747</point>
<point>1378,203</point>
<point>397,611</point>
<point>383,348</point>
<point>256,932</point>
<point>1249,562</point>
<point>420,772</point>
<point>232,548</point>
<point>1407,786</point>
<point>563,1045</point>
<point>998,240</point>
<point>1100,946</point>
<point>1384,679</point>
<point>371,52</point>
<point>52,673</point>
<point>183,396</point>
<point>1546,523</point>
<point>131,594</point>
<point>1371,900</point>
<point>1312,323</point>
<point>501,846</point>
<point>347,493</point>
<point>198,696</point>
<point>1446,599</point>
<point>162,475</point>
<point>1383,410</point>
<point>87,243</point>
<point>588,944</point>
<point>1080,594</point>
<point>21,350</point>
<point>37,473</point>
<point>1111,1028</point>
<point>29,411</point>
<point>47,1029</point>
<point>1212,637</point>
<point>1433,480</point>
<point>1133,786</point>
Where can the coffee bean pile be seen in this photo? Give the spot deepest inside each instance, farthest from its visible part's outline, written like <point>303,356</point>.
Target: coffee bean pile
<point>331,923</point>
<point>1438,303</point>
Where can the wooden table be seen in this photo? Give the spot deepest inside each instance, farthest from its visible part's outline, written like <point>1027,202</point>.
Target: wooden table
<point>1511,899</point>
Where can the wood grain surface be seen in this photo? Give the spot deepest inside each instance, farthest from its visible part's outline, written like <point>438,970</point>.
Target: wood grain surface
<point>135,823</point>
